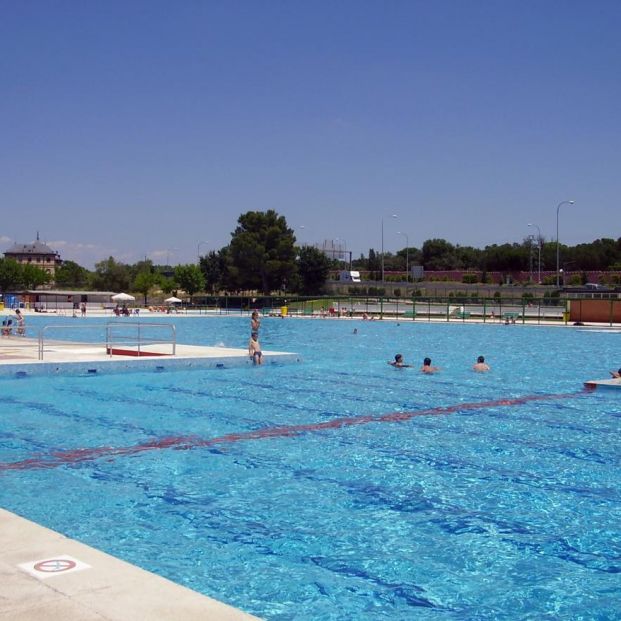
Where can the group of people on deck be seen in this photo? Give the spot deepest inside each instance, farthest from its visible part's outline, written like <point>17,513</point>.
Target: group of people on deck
<point>480,365</point>
<point>7,324</point>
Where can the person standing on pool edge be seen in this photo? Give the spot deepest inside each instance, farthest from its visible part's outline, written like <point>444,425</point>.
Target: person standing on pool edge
<point>255,322</point>
<point>21,323</point>
<point>254,349</point>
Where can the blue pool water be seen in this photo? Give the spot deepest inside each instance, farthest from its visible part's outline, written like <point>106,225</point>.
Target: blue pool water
<point>342,488</point>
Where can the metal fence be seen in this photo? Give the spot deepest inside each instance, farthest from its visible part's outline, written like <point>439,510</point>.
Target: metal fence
<point>504,310</point>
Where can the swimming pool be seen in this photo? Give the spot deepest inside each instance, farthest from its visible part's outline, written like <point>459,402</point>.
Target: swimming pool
<point>343,488</point>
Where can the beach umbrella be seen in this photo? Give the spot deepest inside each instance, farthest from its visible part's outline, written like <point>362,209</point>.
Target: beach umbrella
<point>173,300</point>
<point>123,297</point>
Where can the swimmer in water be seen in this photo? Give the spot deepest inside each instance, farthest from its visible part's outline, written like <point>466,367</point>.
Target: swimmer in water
<point>428,367</point>
<point>480,365</point>
<point>398,362</point>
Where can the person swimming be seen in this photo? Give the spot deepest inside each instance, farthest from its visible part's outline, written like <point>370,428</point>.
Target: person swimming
<point>398,361</point>
<point>428,367</point>
<point>480,365</point>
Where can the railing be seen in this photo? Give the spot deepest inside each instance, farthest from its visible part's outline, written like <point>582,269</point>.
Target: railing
<point>114,340</point>
<point>460,308</point>
<point>139,340</point>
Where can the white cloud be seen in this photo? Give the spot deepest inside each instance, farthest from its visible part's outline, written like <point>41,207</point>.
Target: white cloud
<point>159,254</point>
<point>82,253</point>
<point>73,247</point>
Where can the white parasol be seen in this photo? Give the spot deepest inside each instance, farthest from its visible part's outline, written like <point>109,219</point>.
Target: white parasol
<point>123,297</point>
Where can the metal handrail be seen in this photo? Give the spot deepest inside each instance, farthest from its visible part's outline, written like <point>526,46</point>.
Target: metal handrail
<point>138,341</point>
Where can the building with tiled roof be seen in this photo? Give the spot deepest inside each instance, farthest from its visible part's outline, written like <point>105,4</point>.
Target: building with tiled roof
<point>37,253</point>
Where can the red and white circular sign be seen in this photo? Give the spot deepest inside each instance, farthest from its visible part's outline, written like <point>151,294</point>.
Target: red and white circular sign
<point>54,565</point>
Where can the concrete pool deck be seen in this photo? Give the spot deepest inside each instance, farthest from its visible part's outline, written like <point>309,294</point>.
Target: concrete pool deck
<point>44,575</point>
<point>19,356</point>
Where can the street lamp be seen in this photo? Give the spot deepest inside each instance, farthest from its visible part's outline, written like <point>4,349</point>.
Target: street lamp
<point>557,245</point>
<point>198,249</point>
<point>407,255</point>
<point>539,253</point>
<point>394,215</point>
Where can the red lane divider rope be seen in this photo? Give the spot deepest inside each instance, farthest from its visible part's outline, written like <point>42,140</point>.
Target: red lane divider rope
<point>59,458</point>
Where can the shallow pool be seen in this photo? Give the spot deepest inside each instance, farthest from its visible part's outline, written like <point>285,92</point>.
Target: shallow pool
<point>343,488</point>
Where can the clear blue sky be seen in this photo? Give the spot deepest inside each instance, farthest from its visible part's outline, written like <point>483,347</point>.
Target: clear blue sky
<point>133,128</point>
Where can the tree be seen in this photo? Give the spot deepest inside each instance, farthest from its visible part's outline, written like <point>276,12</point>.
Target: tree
<point>438,254</point>
<point>262,251</point>
<point>167,285</point>
<point>190,278</point>
<point>145,265</point>
<point>506,257</point>
<point>375,261</point>
<point>33,277</point>
<point>598,255</point>
<point>215,268</point>
<point>143,283</point>
<point>313,268</point>
<point>111,276</point>
<point>10,275</point>
<point>70,274</point>
<point>410,256</point>
<point>469,257</point>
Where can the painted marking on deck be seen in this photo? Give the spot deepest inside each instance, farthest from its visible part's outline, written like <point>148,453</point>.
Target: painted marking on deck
<point>182,443</point>
<point>55,565</point>
<point>62,564</point>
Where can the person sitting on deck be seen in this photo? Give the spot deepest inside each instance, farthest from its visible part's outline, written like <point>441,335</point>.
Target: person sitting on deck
<point>616,374</point>
<point>7,327</point>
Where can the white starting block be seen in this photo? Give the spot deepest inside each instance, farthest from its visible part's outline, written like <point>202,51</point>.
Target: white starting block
<point>603,383</point>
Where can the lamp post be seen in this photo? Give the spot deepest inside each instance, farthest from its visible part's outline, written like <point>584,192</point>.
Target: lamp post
<point>394,215</point>
<point>558,207</point>
<point>407,255</point>
<point>539,252</point>
<point>198,249</point>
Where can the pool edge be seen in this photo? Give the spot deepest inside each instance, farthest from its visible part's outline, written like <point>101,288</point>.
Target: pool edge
<point>108,588</point>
